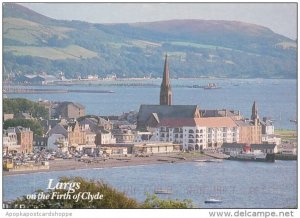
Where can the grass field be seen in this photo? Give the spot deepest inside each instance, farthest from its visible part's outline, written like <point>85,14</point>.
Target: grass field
<point>52,53</point>
<point>31,33</point>
<point>286,134</point>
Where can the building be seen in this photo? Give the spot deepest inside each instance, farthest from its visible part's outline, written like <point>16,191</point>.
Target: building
<point>69,110</point>
<point>40,142</point>
<point>235,115</point>
<point>35,79</point>
<point>22,115</point>
<point>165,88</point>
<point>111,150</point>
<point>149,116</point>
<point>267,126</point>
<point>10,141</point>
<point>265,148</point>
<point>105,137</point>
<point>270,139</point>
<point>57,138</point>
<point>288,148</point>
<point>155,148</point>
<point>24,139</point>
<point>198,133</point>
<point>8,117</point>
<point>228,148</point>
<point>123,136</point>
<point>250,131</point>
<point>76,135</point>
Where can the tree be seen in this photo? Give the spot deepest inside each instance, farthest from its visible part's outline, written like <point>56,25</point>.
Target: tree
<point>152,201</point>
<point>34,125</point>
<point>16,105</point>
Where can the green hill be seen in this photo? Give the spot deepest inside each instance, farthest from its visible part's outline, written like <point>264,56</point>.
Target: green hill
<point>33,42</point>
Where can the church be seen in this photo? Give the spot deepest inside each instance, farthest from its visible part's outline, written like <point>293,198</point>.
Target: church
<point>193,128</point>
<point>151,115</point>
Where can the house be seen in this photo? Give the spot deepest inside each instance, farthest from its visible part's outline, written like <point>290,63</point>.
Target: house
<point>123,135</point>
<point>24,139</point>
<point>10,142</point>
<point>76,135</point>
<point>57,138</point>
<point>104,137</point>
<point>40,142</point>
<point>267,126</point>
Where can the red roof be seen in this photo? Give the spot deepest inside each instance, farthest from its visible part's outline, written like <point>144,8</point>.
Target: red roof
<point>215,122</point>
<point>205,122</point>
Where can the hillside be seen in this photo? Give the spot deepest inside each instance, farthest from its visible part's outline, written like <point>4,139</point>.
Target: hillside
<point>33,42</point>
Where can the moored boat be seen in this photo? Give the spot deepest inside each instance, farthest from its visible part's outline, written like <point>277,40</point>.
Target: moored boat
<point>212,201</point>
<point>253,156</point>
<point>163,191</point>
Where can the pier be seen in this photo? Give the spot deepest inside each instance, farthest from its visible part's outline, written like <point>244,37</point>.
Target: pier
<point>14,90</point>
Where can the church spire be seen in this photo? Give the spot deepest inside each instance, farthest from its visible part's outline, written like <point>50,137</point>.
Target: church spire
<point>254,115</point>
<point>165,89</point>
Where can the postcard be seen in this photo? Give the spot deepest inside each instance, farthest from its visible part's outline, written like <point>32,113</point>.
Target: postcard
<point>149,106</point>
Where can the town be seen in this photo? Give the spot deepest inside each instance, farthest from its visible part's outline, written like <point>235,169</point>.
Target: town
<point>156,133</point>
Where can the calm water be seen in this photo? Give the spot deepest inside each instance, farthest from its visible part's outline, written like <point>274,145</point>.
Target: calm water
<point>238,184</point>
<point>275,98</point>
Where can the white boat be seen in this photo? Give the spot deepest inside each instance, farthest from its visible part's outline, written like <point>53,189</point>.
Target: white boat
<point>212,201</point>
<point>163,191</point>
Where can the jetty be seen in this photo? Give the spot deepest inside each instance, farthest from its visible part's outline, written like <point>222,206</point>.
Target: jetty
<point>216,155</point>
<point>17,90</point>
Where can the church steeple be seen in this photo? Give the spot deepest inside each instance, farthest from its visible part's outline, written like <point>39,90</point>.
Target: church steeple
<point>165,88</point>
<point>254,115</point>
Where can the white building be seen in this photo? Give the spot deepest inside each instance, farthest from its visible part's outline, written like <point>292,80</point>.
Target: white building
<point>10,141</point>
<point>105,137</point>
<point>57,142</point>
<point>198,133</point>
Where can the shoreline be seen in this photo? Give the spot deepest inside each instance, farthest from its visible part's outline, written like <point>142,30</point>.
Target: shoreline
<point>73,164</point>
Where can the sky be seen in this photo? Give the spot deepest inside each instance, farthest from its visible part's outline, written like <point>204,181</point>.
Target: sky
<point>279,17</point>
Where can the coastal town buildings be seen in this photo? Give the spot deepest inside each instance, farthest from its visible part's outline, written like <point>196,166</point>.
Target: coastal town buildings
<point>69,110</point>
<point>10,141</point>
<point>104,137</point>
<point>198,133</point>
<point>155,148</point>
<point>24,139</point>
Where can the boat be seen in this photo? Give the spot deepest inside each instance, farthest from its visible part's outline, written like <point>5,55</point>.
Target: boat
<point>209,160</point>
<point>212,201</point>
<point>211,86</point>
<point>163,191</point>
<point>294,121</point>
<point>252,156</point>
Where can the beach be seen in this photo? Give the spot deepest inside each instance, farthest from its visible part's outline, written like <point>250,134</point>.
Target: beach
<point>116,161</point>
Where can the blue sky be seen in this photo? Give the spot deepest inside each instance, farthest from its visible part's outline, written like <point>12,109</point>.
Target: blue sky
<point>279,17</point>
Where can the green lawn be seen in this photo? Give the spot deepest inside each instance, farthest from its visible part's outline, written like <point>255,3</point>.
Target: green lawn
<point>70,52</point>
<point>286,134</point>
